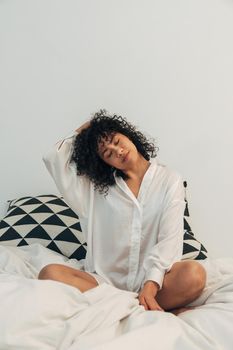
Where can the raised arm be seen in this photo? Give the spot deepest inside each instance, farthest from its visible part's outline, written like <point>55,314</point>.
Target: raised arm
<point>75,189</point>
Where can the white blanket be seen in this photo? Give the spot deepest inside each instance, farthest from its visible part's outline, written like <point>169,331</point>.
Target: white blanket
<point>49,315</point>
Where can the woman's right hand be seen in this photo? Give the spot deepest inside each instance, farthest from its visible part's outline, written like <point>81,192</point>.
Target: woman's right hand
<point>84,126</point>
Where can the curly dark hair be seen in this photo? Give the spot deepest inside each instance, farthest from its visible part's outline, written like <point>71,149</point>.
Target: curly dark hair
<point>88,161</point>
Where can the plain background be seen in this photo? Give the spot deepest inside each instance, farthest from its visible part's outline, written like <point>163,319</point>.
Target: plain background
<point>167,66</point>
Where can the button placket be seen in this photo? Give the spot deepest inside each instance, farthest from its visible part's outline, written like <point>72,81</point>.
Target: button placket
<point>134,247</point>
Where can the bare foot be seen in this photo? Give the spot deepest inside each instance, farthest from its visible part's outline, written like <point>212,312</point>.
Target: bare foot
<point>181,309</point>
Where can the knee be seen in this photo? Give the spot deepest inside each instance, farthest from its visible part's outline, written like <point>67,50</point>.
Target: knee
<point>49,272</point>
<point>195,276</point>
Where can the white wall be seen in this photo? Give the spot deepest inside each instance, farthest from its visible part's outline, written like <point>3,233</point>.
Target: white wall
<point>165,65</point>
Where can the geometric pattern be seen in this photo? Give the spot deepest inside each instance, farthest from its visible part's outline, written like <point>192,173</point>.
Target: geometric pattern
<point>192,248</point>
<point>44,219</point>
<point>48,220</point>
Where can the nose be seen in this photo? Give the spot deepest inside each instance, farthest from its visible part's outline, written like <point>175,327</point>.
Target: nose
<point>119,151</point>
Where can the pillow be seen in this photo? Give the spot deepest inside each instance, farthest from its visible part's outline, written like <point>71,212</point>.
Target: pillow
<point>44,219</point>
<point>192,248</point>
<point>48,220</point>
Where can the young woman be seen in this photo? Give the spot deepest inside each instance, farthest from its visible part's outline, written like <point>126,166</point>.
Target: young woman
<point>131,212</point>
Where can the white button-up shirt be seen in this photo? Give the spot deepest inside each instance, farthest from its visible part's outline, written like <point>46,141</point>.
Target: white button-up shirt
<point>129,240</point>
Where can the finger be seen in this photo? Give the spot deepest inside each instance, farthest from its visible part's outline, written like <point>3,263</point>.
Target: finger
<point>153,305</point>
<point>149,303</point>
<point>159,307</point>
<point>143,303</point>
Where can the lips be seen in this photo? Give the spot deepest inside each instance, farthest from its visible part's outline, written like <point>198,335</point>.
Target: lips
<point>125,157</point>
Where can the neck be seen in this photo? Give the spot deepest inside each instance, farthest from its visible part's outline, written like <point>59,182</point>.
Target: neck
<point>138,169</point>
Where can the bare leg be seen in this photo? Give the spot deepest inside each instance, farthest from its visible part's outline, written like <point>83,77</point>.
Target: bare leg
<point>68,275</point>
<point>182,284</point>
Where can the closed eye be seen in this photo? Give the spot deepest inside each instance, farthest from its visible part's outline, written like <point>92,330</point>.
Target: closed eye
<point>109,154</point>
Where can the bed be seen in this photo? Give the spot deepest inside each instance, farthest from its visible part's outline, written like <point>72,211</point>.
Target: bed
<point>41,314</point>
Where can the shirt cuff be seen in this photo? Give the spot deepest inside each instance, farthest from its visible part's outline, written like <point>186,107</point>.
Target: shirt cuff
<point>155,275</point>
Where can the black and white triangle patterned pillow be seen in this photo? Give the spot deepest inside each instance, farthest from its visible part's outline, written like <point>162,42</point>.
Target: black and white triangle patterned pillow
<point>192,248</point>
<point>44,219</point>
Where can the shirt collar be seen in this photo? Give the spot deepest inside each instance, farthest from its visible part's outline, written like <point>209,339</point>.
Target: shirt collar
<point>148,176</point>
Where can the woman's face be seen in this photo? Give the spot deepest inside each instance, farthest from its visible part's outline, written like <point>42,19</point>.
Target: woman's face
<point>118,151</point>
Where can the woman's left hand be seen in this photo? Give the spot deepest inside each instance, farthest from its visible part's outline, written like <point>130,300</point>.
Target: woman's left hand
<point>147,296</point>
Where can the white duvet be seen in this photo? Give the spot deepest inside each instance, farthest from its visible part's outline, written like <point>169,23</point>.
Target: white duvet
<point>48,315</point>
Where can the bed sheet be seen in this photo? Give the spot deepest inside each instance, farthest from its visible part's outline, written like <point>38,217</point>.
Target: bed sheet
<point>50,315</point>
